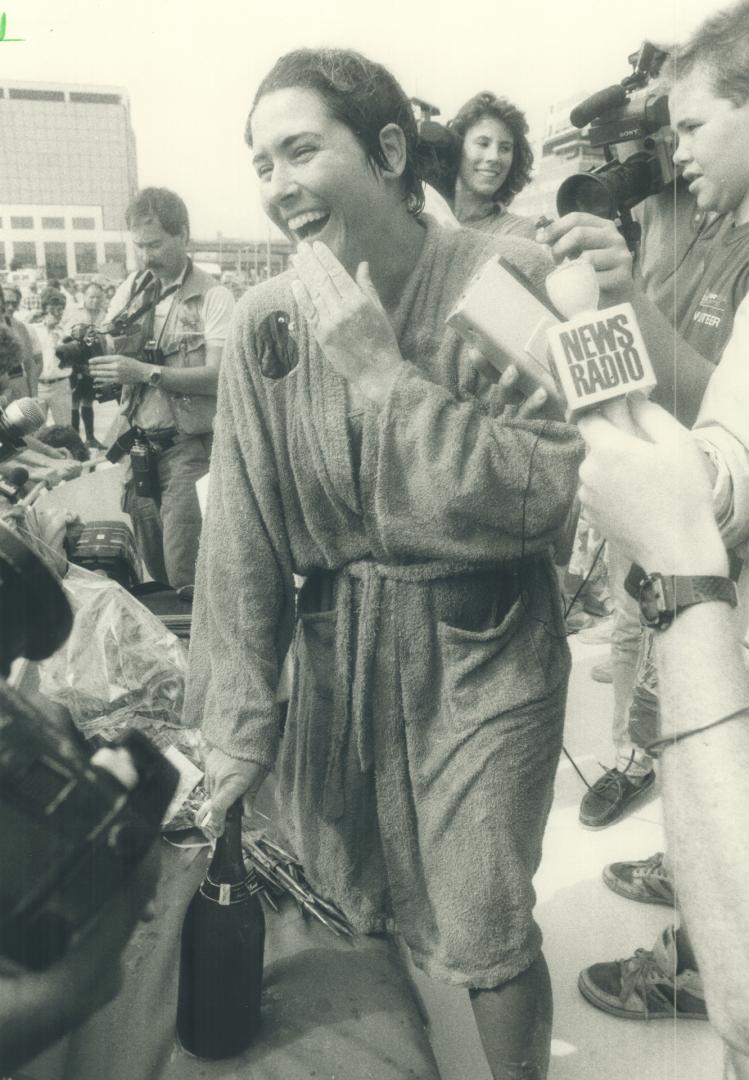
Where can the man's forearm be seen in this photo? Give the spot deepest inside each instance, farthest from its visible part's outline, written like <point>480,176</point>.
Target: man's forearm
<point>682,373</point>
<point>702,676</point>
<point>196,380</point>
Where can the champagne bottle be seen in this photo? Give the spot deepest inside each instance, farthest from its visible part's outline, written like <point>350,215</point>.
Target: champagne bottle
<point>221,959</point>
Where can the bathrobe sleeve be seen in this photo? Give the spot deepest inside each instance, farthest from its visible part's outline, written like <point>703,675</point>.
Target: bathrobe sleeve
<point>244,598</point>
<point>442,479</point>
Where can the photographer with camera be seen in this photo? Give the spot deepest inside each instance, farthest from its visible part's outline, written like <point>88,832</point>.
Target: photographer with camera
<point>709,106</point>
<point>91,313</point>
<point>169,398</point>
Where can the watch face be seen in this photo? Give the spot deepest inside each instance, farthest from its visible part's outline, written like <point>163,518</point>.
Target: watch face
<point>653,606</point>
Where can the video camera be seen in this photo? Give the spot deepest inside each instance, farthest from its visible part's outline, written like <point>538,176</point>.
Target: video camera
<point>438,149</point>
<point>630,120</point>
<point>126,335</point>
<point>73,825</point>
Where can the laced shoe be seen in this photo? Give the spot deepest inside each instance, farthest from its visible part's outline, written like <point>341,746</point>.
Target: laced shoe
<point>646,880</point>
<point>646,985</point>
<point>610,796</point>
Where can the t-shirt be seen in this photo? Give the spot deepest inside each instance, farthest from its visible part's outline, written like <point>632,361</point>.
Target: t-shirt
<point>48,341</point>
<point>677,238</point>
<point>694,267</point>
<point>708,322</point>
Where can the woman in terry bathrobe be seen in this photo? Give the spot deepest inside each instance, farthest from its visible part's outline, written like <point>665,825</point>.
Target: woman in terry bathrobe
<point>352,447</point>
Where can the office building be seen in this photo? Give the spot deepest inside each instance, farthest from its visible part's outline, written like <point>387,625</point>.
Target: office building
<point>67,172</point>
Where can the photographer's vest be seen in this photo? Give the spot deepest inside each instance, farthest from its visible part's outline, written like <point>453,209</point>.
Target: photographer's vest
<point>182,343</point>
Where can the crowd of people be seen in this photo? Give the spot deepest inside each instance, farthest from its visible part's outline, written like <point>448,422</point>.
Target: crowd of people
<point>355,442</point>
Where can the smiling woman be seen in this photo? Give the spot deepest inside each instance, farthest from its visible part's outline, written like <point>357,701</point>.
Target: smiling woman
<point>495,165</point>
<point>352,447</point>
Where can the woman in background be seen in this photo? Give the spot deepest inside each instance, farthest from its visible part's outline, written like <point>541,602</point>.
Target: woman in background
<point>495,164</point>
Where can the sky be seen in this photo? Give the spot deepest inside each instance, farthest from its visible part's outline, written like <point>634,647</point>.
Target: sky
<point>190,67</point>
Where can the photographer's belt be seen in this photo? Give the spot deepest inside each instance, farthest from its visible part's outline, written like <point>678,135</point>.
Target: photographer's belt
<point>57,378</point>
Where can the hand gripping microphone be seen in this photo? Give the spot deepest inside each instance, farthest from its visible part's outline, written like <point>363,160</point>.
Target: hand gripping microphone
<point>11,486</point>
<point>599,356</point>
<point>20,418</point>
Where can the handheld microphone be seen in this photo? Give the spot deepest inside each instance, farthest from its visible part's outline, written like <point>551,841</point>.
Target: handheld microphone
<point>12,484</point>
<point>20,418</point>
<point>599,356</point>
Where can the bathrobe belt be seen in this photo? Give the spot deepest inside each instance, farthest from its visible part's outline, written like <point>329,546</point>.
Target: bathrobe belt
<point>354,665</point>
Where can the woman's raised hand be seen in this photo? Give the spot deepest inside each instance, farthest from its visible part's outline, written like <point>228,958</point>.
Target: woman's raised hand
<point>348,320</point>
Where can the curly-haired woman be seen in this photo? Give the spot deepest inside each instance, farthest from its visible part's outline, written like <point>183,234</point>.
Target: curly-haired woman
<point>495,164</point>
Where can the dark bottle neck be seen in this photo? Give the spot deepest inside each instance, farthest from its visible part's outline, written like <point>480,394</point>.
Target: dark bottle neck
<point>227,865</point>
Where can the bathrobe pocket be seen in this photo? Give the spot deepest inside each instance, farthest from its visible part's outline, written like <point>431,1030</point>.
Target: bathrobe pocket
<point>488,673</point>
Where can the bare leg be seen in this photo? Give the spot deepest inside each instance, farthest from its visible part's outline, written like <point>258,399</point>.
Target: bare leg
<point>514,1023</point>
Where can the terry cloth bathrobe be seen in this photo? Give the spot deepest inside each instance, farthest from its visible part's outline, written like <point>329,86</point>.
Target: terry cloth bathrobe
<point>424,727</point>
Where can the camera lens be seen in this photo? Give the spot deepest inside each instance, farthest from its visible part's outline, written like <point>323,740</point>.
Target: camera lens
<point>617,186</point>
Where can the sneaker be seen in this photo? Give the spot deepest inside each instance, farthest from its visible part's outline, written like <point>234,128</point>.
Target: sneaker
<point>610,796</point>
<point>646,986</point>
<point>602,672</point>
<point>94,444</point>
<point>646,881</point>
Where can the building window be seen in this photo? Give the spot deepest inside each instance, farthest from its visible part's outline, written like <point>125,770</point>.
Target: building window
<point>22,223</point>
<point>24,254</point>
<point>53,222</point>
<point>96,99</point>
<point>84,223</point>
<point>55,260</point>
<point>16,94</point>
<point>115,253</point>
<point>85,259</point>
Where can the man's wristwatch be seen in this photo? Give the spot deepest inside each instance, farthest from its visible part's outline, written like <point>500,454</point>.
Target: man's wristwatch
<point>154,376</point>
<point>662,596</point>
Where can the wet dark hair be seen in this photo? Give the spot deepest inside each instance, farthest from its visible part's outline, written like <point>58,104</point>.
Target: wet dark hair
<point>357,92</point>
<point>163,205</point>
<point>499,108</point>
<point>721,46</point>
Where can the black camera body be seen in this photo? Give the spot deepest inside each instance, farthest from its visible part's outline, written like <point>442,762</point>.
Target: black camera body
<point>74,827</point>
<point>127,335</point>
<point>631,122</point>
<point>74,823</point>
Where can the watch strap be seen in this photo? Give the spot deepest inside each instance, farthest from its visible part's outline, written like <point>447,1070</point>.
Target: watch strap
<point>662,596</point>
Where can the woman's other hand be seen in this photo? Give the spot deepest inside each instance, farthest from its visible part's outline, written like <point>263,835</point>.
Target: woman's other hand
<point>226,779</point>
<point>507,400</point>
<point>348,320</point>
